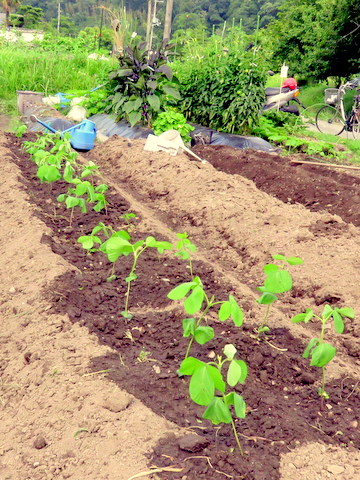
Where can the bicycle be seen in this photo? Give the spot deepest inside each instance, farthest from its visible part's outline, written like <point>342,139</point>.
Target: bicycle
<point>332,117</point>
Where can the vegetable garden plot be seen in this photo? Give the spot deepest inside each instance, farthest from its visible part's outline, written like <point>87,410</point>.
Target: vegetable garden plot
<point>274,383</point>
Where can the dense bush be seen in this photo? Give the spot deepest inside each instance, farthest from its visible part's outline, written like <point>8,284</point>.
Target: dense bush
<point>223,91</point>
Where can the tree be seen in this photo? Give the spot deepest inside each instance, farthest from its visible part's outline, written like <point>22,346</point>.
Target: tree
<point>8,6</point>
<point>317,39</point>
<point>32,15</point>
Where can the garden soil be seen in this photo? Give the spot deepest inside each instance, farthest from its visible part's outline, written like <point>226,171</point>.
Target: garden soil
<point>86,394</point>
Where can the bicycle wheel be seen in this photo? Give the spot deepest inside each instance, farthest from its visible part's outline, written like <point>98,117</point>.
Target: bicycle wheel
<point>329,120</point>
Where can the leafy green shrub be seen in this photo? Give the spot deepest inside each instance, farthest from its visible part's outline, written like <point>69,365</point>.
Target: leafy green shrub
<point>224,92</point>
<point>143,84</point>
<point>284,129</point>
<point>96,102</point>
<point>173,120</point>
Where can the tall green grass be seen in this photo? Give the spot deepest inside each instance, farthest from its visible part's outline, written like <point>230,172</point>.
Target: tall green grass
<point>34,70</point>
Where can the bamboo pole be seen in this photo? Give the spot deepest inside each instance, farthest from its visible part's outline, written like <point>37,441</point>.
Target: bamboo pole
<point>320,164</point>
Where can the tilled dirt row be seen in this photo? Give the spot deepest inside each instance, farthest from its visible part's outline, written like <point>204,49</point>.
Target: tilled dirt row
<point>283,379</point>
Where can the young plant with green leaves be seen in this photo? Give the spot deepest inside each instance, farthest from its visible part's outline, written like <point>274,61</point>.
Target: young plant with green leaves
<point>277,280</point>
<point>89,169</point>
<point>197,301</point>
<point>74,196</point>
<point>119,245</point>
<point>321,352</point>
<point>90,241</point>
<point>143,84</point>
<point>207,379</point>
<point>184,249</point>
<point>20,130</point>
<point>172,120</point>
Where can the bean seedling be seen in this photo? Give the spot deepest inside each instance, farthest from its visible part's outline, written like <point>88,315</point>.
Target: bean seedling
<point>207,378</point>
<point>184,249</point>
<point>119,245</point>
<point>194,294</point>
<point>277,280</point>
<point>88,242</point>
<point>320,352</point>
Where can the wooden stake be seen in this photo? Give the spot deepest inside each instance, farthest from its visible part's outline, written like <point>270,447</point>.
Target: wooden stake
<point>320,164</point>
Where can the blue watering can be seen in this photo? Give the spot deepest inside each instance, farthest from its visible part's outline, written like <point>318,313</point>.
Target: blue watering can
<point>83,134</point>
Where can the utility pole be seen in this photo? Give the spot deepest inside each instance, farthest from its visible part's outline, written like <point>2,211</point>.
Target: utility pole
<point>58,18</point>
<point>148,24</point>
<point>168,19</point>
<point>101,27</point>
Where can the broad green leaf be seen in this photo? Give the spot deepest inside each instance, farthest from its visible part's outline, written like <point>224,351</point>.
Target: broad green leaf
<point>278,257</point>
<point>150,241</point>
<point>129,106</point>
<point>203,334</point>
<point>267,298</point>
<point>154,102</point>
<point>309,315</point>
<point>102,188</point>
<point>117,246</point>
<point>312,343</point>
<point>346,312</point>
<point>82,205</point>
<point>233,373</point>
<point>61,197</point>
<point>322,354</point>
<point>229,351</point>
<point>294,261</point>
<point>48,173</point>
<point>327,312</point>
<point>202,388</point>
<point>181,291</point>
<point>338,322</point>
<point>244,370</point>
<point>82,188</point>
<point>300,317</point>
<point>270,267</point>
<point>123,72</point>
<point>303,317</point>
<point>122,234</point>
<point>189,365</point>
<point>86,242</point>
<point>217,412</point>
<point>278,281</point>
<point>194,301</point>
<point>173,92</point>
<point>134,117</point>
<point>240,406</point>
<point>217,378</point>
<point>224,311</point>
<point>68,173</point>
<point>166,70</point>
<point>188,325</point>
<point>72,202</point>
<point>137,103</point>
<point>236,312</point>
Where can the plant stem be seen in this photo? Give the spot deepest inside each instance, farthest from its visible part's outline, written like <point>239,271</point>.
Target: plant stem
<point>191,268</point>
<point>266,316</point>
<point>237,438</point>
<point>208,306</point>
<point>127,294</point>
<point>323,382</point>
